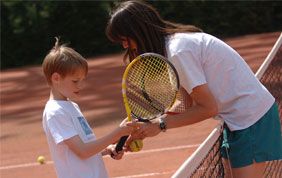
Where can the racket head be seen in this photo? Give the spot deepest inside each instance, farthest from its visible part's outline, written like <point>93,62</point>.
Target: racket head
<point>150,86</point>
<point>183,102</point>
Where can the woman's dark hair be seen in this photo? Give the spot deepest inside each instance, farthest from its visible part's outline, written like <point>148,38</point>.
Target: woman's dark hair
<point>142,23</point>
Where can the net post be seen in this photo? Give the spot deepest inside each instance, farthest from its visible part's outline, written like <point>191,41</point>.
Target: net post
<point>269,57</point>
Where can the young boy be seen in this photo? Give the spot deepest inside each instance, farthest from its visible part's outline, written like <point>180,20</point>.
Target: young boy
<point>74,148</point>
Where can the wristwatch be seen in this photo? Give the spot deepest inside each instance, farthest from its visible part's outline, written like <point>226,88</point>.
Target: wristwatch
<point>162,124</point>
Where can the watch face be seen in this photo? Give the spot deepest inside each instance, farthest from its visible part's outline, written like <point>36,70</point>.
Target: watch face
<point>162,125</point>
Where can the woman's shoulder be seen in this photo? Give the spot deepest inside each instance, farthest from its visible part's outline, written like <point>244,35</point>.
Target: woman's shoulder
<point>185,41</point>
<point>191,37</point>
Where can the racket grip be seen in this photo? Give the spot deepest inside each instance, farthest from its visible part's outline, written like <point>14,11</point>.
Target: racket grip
<point>121,143</point>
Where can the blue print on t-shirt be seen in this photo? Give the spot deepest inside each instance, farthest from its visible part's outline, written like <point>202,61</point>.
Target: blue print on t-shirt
<point>87,130</point>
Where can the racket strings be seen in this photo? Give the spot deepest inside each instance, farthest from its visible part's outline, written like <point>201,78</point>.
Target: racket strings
<point>182,103</point>
<point>151,87</point>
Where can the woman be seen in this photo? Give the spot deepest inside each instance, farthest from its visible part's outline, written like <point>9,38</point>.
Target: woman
<point>214,75</point>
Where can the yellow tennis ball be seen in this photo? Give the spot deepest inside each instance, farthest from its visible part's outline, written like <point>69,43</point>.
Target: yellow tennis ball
<point>41,159</point>
<point>136,145</point>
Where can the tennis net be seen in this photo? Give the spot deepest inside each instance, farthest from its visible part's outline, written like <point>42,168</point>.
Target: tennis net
<point>206,161</point>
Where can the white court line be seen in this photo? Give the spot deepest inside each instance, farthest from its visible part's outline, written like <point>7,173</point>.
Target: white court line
<point>129,153</point>
<point>23,165</point>
<point>164,149</point>
<point>146,174</point>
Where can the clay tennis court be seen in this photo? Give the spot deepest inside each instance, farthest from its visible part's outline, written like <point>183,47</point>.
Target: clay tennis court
<point>24,93</point>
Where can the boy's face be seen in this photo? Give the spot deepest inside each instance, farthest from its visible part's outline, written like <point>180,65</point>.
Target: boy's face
<point>70,85</point>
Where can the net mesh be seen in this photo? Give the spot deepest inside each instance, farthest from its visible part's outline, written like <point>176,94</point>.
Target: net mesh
<point>206,161</point>
<point>272,80</point>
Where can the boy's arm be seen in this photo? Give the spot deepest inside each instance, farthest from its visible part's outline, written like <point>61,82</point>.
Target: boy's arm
<point>85,150</point>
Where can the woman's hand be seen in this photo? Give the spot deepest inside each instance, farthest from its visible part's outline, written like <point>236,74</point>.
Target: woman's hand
<point>126,128</point>
<point>143,130</point>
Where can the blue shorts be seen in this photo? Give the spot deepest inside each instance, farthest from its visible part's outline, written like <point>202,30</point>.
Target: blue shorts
<point>258,143</point>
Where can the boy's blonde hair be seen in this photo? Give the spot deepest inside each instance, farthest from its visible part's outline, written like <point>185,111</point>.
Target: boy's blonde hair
<point>64,61</point>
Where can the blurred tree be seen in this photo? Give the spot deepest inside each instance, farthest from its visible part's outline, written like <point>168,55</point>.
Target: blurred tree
<point>28,28</point>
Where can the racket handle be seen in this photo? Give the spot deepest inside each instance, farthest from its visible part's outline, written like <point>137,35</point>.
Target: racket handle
<point>121,143</point>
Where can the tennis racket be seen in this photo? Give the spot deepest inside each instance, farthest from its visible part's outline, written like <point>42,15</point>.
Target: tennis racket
<point>150,87</point>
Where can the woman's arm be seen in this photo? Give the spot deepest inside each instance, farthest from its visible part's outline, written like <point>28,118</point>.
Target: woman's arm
<point>205,107</point>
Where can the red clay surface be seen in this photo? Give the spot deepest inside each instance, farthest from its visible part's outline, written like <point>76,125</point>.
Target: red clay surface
<point>24,93</point>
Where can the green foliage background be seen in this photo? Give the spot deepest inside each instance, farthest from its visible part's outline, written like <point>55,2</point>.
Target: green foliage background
<point>28,28</point>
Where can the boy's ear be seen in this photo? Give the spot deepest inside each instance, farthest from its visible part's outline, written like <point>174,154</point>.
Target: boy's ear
<point>55,77</point>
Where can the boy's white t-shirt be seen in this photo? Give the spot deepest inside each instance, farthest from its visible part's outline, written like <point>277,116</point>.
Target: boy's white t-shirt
<point>200,58</point>
<point>63,120</point>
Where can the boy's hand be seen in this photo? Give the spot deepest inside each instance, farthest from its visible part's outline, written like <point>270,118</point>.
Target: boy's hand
<point>112,152</point>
